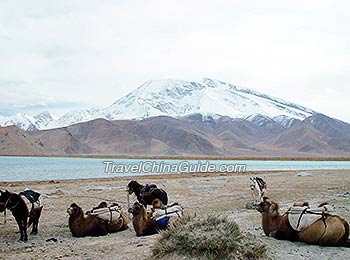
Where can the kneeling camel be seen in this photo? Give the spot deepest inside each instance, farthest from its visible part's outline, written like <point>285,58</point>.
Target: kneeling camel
<point>328,230</point>
<point>148,223</point>
<point>82,225</point>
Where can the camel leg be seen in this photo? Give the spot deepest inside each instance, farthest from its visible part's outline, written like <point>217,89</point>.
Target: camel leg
<point>22,225</point>
<point>35,219</point>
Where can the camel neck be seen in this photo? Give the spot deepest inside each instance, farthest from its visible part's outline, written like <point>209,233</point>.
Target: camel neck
<point>141,222</point>
<point>270,223</point>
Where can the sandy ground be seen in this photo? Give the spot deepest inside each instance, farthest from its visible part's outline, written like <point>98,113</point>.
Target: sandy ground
<point>198,193</point>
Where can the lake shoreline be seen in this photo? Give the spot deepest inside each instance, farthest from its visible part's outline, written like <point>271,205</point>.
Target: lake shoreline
<point>62,168</point>
<point>139,157</point>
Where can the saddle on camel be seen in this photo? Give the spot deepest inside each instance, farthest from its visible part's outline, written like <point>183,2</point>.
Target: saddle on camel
<point>318,226</point>
<point>159,218</point>
<point>99,221</point>
<point>147,193</point>
<point>25,205</point>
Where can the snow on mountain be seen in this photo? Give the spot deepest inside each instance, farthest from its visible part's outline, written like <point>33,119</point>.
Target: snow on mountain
<point>282,120</point>
<point>77,116</point>
<point>180,98</point>
<point>177,98</point>
<point>43,120</point>
<point>20,120</point>
<point>286,121</point>
<point>252,102</point>
<point>155,98</point>
<point>260,119</point>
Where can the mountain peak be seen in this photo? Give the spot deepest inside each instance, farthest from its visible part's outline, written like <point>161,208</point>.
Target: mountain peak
<point>43,114</point>
<point>209,82</point>
<point>179,98</point>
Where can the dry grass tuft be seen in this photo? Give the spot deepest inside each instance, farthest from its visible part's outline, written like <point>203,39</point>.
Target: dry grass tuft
<point>209,238</point>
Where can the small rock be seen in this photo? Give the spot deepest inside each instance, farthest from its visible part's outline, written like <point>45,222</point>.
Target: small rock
<point>249,205</point>
<point>51,239</point>
<point>303,174</point>
<point>345,194</point>
<point>243,196</point>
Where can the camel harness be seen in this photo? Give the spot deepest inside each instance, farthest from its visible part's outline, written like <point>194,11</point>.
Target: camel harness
<point>301,217</point>
<point>111,214</point>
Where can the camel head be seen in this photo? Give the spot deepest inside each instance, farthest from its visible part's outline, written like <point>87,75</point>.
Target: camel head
<point>103,204</point>
<point>157,204</point>
<point>268,206</point>
<point>134,186</point>
<point>4,196</point>
<point>74,210</point>
<point>136,208</point>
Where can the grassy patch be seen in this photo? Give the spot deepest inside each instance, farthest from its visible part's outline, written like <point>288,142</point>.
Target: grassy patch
<point>209,238</point>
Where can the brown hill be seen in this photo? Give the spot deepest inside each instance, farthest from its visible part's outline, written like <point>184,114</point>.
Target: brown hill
<point>190,136</point>
<point>317,134</point>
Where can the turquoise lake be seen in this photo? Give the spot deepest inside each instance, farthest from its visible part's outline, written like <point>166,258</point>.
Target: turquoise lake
<point>50,168</point>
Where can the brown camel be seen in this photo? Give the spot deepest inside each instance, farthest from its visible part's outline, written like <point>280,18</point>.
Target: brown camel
<point>91,225</point>
<point>161,217</point>
<point>329,230</point>
<point>142,220</point>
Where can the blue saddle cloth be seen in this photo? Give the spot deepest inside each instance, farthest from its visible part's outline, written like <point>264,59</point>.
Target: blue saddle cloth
<point>163,222</point>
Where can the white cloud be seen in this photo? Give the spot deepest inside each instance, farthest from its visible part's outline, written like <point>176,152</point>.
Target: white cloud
<point>89,52</point>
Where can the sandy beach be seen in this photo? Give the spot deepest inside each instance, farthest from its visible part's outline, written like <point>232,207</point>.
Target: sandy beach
<point>203,194</point>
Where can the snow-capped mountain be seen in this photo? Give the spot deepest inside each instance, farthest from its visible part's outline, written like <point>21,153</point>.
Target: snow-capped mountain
<point>20,120</point>
<point>26,122</point>
<point>78,116</point>
<point>43,120</point>
<point>178,98</point>
<point>155,98</point>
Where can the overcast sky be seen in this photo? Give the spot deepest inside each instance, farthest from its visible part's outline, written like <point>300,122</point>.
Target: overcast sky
<point>59,55</point>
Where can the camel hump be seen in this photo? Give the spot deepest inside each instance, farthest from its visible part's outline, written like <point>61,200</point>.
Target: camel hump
<point>302,217</point>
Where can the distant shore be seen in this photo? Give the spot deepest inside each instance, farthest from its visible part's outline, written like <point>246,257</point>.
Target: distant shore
<point>277,158</point>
